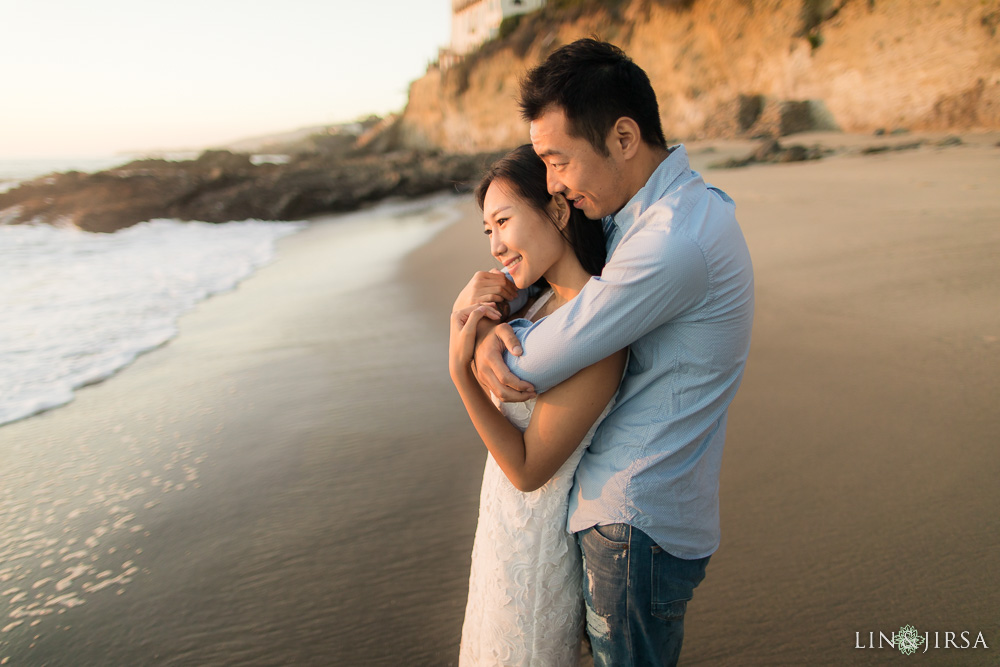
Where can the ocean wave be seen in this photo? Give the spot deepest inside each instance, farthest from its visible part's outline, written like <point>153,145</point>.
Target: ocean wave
<point>78,307</point>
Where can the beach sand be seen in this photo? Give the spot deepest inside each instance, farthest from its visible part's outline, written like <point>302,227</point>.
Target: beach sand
<point>293,479</point>
<point>859,486</point>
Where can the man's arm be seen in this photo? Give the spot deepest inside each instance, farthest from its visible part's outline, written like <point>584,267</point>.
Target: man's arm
<point>653,278</point>
<point>493,340</point>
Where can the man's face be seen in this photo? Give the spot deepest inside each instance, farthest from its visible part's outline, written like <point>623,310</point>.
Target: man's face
<point>590,181</point>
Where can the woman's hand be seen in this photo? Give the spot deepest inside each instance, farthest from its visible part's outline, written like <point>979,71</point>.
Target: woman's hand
<point>486,287</point>
<point>462,337</point>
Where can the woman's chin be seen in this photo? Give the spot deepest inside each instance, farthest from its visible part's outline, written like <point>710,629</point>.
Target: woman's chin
<point>524,284</point>
<point>522,278</point>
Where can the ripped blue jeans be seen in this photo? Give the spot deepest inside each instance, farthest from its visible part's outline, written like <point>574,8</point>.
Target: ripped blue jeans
<point>636,595</point>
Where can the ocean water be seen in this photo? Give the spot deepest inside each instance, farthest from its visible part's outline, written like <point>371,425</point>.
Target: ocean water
<point>14,171</point>
<point>77,306</point>
<point>275,487</point>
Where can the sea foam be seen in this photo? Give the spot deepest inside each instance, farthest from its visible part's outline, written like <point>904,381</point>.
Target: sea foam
<point>76,307</point>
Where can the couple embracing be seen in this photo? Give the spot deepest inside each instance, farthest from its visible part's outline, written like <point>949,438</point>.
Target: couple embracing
<point>602,399</point>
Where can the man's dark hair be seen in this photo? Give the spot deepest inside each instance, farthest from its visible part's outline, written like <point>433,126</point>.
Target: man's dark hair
<point>595,84</point>
<point>524,173</point>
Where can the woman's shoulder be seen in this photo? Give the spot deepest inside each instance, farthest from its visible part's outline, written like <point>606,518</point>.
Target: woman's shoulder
<point>533,306</point>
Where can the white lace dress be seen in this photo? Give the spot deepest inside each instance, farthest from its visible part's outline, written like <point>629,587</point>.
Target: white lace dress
<point>525,602</point>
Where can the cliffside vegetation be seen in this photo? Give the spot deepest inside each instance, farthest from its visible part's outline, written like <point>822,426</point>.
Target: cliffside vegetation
<point>728,68</point>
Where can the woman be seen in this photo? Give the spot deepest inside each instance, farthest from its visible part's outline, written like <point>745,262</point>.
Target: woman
<point>525,600</point>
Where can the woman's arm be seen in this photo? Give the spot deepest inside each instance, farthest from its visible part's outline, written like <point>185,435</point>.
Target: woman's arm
<point>562,415</point>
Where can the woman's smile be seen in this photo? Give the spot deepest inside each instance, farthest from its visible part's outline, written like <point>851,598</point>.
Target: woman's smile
<point>511,263</point>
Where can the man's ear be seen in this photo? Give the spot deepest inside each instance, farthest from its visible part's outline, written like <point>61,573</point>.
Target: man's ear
<point>560,211</point>
<point>625,137</point>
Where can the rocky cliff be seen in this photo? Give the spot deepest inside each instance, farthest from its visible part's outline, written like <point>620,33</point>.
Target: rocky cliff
<point>724,68</point>
<point>721,68</point>
<point>220,186</point>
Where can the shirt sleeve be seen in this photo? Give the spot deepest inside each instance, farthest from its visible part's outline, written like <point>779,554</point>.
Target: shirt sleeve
<point>652,278</point>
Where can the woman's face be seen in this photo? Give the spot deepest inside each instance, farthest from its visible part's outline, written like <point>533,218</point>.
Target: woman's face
<point>523,238</point>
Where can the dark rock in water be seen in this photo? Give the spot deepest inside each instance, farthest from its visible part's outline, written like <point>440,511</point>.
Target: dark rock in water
<point>950,140</point>
<point>871,150</point>
<point>768,151</point>
<point>771,151</point>
<point>795,153</point>
<point>221,186</point>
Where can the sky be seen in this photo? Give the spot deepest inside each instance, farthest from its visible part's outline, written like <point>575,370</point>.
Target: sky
<point>101,77</point>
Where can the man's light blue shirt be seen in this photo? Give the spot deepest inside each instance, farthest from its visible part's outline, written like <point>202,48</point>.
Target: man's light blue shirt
<point>677,289</point>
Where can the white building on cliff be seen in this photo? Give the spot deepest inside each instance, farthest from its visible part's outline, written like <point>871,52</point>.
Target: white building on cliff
<point>476,21</point>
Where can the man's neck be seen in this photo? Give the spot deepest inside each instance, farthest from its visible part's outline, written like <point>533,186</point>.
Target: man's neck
<point>642,166</point>
<point>648,160</point>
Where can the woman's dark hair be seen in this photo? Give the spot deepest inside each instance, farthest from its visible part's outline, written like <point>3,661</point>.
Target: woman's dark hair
<point>595,84</point>
<point>524,173</point>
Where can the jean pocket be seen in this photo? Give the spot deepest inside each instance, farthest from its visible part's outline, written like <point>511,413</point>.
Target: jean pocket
<point>669,611</point>
<point>613,535</point>
<point>606,563</point>
<point>672,584</point>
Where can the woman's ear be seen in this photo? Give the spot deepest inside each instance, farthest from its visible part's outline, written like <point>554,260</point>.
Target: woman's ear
<point>560,211</point>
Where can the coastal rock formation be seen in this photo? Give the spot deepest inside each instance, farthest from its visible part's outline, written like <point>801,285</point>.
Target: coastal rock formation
<point>739,69</point>
<point>770,151</point>
<point>721,68</point>
<point>221,186</point>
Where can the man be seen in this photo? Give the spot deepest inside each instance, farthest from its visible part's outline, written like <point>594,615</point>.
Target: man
<point>677,289</point>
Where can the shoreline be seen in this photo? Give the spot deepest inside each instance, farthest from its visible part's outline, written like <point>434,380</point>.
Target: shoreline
<point>248,455</point>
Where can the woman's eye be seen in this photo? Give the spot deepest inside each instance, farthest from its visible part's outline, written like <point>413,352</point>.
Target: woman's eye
<point>487,231</point>
<point>500,221</point>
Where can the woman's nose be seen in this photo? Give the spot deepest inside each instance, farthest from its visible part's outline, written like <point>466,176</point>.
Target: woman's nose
<point>497,246</point>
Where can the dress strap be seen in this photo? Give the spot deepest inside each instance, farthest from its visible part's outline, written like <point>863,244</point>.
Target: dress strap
<point>537,305</point>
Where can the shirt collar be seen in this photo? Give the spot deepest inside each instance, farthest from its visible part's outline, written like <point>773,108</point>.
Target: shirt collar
<point>673,167</point>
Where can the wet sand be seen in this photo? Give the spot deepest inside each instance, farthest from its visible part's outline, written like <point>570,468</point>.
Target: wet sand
<point>293,480</point>
<point>859,485</point>
<point>301,487</point>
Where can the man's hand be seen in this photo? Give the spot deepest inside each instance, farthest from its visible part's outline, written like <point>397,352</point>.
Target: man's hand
<point>491,370</point>
<point>485,287</point>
